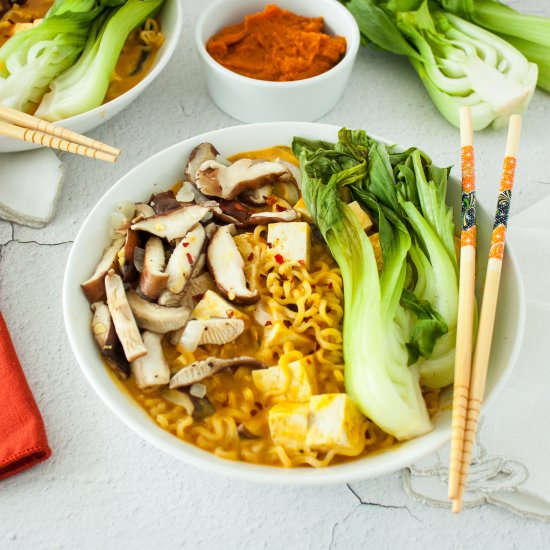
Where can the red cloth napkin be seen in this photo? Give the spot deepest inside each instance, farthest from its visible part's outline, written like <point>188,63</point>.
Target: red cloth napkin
<point>23,441</point>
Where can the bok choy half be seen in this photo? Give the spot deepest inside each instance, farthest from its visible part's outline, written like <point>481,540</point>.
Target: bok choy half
<point>459,63</point>
<point>399,324</point>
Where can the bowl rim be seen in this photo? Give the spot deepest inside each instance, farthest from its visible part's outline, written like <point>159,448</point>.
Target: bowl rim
<point>349,57</point>
<point>159,64</point>
<point>237,469</point>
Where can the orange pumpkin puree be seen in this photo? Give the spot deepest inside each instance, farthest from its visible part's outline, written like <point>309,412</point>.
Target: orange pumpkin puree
<point>277,45</point>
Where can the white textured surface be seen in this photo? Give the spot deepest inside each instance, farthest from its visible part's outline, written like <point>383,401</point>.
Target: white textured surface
<point>105,487</point>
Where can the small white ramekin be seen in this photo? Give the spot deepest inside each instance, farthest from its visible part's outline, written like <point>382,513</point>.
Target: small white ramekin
<point>251,100</point>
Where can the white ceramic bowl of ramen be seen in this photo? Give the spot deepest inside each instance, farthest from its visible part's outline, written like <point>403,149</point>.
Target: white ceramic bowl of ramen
<point>159,173</point>
<point>171,20</point>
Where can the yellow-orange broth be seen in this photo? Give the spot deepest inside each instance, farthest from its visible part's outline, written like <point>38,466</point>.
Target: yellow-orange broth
<point>136,58</point>
<point>233,394</point>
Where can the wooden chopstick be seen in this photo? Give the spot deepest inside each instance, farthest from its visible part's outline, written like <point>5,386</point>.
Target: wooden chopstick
<point>33,123</point>
<point>466,299</point>
<point>489,303</point>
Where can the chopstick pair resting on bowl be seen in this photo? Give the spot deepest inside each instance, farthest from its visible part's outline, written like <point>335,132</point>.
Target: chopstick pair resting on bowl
<point>19,125</point>
<point>471,374</point>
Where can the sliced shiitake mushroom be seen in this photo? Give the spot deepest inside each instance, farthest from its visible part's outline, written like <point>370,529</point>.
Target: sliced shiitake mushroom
<point>123,318</point>
<point>173,224</point>
<point>199,370</point>
<point>150,316</point>
<point>210,331</point>
<point>264,218</point>
<point>184,258</point>
<point>94,287</point>
<point>153,278</point>
<point>201,153</point>
<point>226,267</point>
<point>215,179</point>
<point>152,370</point>
<point>107,340</point>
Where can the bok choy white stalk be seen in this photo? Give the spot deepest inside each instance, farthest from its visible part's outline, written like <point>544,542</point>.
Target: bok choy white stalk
<point>84,85</point>
<point>31,59</point>
<point>530,34</point>
<point>459,63</point>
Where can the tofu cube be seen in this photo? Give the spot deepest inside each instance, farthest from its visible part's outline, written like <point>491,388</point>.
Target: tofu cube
<point>290,242</point>
<point>302,384</point>
<point>361,215</point>
<point>335,422</point>
<point>213,305</point>
<point>375,242</point>
<point>301,208</point>
<point>288,424</point>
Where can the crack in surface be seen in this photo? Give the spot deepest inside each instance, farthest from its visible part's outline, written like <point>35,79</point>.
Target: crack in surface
<point>333,531</point>
<point>12,239</point>
<point>380,505</point>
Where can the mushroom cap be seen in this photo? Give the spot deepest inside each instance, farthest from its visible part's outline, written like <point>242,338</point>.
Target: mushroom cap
<point>227,182</point>
<point>107,340</point>
<point>199,370</point>
<point>153,279</point>
<point>94,287</point>
<point>200,154</point>
<point>265,218</point>
<point>257,197</point>
<point>211,331</point>
<point>173,224</point>
<point>184,258</point>
<point>164,202</point>
<point>226,267</point>
<point>150,316</point>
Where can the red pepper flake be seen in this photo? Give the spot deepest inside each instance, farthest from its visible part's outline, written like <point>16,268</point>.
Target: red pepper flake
<point>330,286</point>
<point>287,323</point>
<point>280,208</point>
<point>279,259</point>
<point>253,412</point>
<point>258,405</point>
<point>308,360</point>
<point>268,323</point>
<point>198,297</point>
<point>262,276</point>
<point>251,256</point>
<point>269,245</point>
<point>328,310</point>
<point>301,262</point>
<point>313,287</point>
<point>230,313</point>
<point>185,245</point>
<point>189,258</point>
<point>272,199</point>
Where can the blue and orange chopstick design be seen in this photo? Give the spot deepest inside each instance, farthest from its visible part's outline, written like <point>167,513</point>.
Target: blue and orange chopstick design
<point>466,300</point>
<point>488,307</point>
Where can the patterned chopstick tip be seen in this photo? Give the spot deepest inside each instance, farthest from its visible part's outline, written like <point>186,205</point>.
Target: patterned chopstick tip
<point>498,237</point>
<point>468,234</point>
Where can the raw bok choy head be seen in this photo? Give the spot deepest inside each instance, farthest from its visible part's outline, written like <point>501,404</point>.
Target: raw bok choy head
<point>530,34</point>
<point>459,63</point>
<point>376,326</point>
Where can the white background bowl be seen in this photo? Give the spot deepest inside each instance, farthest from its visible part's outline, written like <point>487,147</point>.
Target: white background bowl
<point>252,100</point>
<point>160,172</point>
<point>171,20</point>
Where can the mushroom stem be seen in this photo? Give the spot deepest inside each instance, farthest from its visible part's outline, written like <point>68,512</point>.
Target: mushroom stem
<point>123,319</point>
<point>151,371</point>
